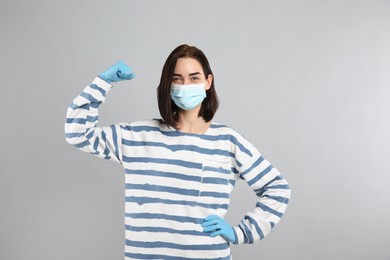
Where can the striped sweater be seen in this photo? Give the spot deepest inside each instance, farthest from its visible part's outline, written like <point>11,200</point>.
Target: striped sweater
<point>173,180</point>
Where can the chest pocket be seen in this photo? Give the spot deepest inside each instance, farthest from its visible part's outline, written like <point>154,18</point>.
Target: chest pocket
<point>216,177</point>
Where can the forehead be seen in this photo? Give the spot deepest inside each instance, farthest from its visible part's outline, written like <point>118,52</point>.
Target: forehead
<point>187,66</point>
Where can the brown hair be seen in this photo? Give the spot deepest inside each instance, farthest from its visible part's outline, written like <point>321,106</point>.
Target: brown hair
<point>168,109</point>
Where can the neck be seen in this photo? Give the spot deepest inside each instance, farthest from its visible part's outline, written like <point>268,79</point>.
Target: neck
<point>190,122</point>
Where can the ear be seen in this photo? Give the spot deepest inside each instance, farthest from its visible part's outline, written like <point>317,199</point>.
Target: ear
<point>209,81</point>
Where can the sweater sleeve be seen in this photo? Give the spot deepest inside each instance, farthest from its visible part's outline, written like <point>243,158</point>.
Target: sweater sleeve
<point>81,128</point>
<point>273,194</point>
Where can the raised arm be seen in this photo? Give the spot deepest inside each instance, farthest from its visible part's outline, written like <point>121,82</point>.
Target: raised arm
<point>81,128</point>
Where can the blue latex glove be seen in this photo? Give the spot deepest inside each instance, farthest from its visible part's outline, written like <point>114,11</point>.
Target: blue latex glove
<point>219,226</point>
<point>117,72</point>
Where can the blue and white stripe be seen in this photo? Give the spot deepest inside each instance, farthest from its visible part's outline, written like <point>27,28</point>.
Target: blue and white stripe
<point>173,180</point>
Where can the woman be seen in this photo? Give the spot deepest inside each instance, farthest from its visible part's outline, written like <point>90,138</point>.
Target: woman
<point>180,169</point>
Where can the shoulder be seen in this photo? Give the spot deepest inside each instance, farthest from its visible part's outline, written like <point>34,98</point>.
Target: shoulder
<point>241,143</point>
<point>223,129</point>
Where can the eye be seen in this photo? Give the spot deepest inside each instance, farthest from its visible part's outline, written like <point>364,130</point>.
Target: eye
<point>176,79</point>
<point>195,78</point>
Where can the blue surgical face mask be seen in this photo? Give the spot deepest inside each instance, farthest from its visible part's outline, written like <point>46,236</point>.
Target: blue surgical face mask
<point>188,96</point>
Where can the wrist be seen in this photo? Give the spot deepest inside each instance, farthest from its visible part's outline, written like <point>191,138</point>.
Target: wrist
<point>101,76</point>
<point>104,85</point>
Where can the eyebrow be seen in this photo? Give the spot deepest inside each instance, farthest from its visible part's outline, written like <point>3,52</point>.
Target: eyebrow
<point>191,74</point>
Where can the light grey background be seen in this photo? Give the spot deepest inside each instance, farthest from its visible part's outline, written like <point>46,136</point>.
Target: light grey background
<point>307,82</point>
